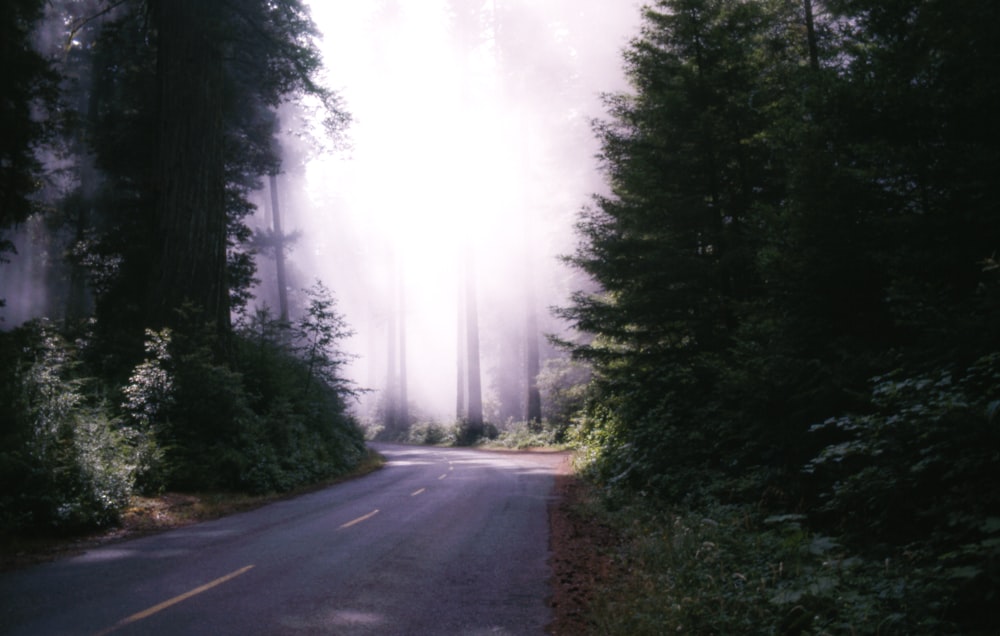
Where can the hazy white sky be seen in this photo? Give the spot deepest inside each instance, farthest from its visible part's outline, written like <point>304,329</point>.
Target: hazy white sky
<point>481,147</point>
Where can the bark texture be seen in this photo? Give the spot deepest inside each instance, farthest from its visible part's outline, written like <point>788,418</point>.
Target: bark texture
<point>189,177</point>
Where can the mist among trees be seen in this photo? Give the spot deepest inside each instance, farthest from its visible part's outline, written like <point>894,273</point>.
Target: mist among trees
<point>775,328</point>
<point>146,127</point>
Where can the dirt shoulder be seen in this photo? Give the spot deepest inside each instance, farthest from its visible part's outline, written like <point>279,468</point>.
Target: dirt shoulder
<point>581,555</point>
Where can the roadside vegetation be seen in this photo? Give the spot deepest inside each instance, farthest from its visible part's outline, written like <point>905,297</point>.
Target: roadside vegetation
<point>794,420</point>
<point>147,514</point>
<point>153,373</point>
<point>83,435</point>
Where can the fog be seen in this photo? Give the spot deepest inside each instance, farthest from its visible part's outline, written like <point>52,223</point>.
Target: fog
<point>470,146</point>
<point>470,131</point>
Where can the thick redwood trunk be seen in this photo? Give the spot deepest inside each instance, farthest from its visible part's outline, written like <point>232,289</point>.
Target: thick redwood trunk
<point>475,417</point>
<point>189,175</point>
<point>532,365</point>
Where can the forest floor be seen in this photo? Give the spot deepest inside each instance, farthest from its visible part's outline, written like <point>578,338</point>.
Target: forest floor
<point>580,547</point>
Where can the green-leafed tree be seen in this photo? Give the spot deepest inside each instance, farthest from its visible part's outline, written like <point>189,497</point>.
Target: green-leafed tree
<point>798,278</point>
<point>149,260</point>
<point>168,115</point>
<point>27,89</point>
<point>673,245</point>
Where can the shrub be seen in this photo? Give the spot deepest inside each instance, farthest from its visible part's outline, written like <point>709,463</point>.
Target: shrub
<point>527,435</point>
<point>563,383</point>
<point>146,401</point>
<point>918,471</point>
<point>714,569</point>
<point>64,463</point>
<point>432,434</point>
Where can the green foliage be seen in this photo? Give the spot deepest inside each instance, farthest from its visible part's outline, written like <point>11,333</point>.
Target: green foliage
<point>526,435</point>
<point>778,230</point>
<point>432,434</point>
<point>711,569</point>
<point>148,396</point>
<point>563,384</point>
<point>274,418</point>
<point>915,472</point>
<point>316,336</point>
<point>82,427</point>
<point>65,463</point>
<point>29,96</point>
<point>112,70</point>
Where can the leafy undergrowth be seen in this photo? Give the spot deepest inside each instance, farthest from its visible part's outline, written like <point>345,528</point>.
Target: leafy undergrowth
<point>509,435</point>
<point>148,515</point>
<point>727,570</point>
<point>522,435</point>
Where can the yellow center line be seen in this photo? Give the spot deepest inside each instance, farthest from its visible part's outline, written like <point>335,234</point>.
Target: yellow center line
<point>417,492</point>
<point>174,601</point>
<point>359,519</point>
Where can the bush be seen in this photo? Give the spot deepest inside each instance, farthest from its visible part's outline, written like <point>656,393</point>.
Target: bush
<point>147,398</point>
<point>263,410</point>
<point>917,471</point>
<point>563,383</point>
<point>527,435</point>
<point>432,434</point>
<point>714,569</point>
<point>65,463</point>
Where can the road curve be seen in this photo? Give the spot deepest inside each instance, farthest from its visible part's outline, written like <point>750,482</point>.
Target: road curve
<point>440,541</point>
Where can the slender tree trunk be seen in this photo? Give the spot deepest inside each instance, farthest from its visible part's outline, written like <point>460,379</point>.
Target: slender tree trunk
<point>279,250</point>
<point>475,420</point>
<point>391,405</point>
<point>462,379</point>
<point>404,409</point>
<point>509,380</point>
<point>190,208</point>
<point>370,398</point>
<point>811,36</point>
<point>533,414</point>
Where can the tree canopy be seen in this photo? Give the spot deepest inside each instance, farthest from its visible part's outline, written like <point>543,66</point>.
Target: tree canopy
<point>167,114</point>
<point>797,269</point>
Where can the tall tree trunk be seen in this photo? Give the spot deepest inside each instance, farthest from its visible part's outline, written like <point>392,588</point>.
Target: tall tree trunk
<point>189,179</point>
<point>279,249</point>
<point>462,379</point>
<point>404,409</point>
<point>509,376</point>
<point>370,399</point>
<point>811,36</point>
<point>474,423</point>
<point>391,404</point>
<point>533,414</point>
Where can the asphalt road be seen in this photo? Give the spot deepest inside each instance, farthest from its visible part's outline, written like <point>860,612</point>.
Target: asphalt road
<point>440,541</point>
